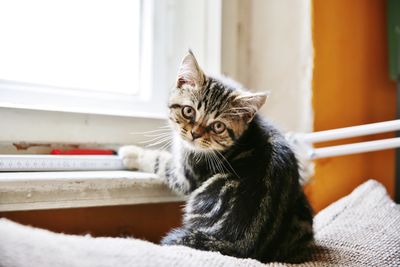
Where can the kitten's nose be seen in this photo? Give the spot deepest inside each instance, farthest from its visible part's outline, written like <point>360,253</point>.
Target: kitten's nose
<point>195,135</point>
<point>197,132</point>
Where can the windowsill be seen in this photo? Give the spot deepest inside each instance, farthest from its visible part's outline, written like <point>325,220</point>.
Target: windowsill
<point>46,127</point>
<point>51,190</point>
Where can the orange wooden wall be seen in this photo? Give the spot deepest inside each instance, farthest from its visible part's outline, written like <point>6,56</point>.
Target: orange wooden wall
<point>147,221</point>
<point>351,86</point>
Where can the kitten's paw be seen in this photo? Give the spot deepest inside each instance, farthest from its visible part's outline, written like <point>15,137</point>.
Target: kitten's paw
<point>130,156</point>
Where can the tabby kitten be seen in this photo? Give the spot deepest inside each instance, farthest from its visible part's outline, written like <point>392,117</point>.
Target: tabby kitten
<point>240,175</point>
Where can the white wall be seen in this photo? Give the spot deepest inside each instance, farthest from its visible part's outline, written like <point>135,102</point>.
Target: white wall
<point>274,52</point>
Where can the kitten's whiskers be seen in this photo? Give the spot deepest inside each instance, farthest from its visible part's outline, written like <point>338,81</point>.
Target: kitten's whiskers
<point>229,165</point>
<point>160,142</point>
<point>156,135</point>
<point>165,128</point>
<point>166,145</point>
<point>156,138</point>
<point>218,162</point>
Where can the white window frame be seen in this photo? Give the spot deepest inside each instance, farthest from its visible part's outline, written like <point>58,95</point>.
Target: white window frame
<point>92,118</point>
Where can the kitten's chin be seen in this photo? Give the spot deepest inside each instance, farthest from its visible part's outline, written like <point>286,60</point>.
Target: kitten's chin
<point>194,146</point>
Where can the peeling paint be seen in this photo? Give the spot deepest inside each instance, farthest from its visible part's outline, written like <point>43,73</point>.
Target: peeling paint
<point>46,148</point>
<point>25,146</point>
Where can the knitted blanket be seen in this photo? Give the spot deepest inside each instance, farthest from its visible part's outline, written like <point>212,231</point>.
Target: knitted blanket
<point>362,229</point>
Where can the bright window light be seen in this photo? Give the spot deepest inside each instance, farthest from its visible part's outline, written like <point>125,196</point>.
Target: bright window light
<point>79,44</point>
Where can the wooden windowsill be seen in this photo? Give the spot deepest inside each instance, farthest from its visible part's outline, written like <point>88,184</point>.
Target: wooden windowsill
<point>50,190</point>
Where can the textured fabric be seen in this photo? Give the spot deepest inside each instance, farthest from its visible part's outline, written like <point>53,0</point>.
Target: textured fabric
<point>362,229</point>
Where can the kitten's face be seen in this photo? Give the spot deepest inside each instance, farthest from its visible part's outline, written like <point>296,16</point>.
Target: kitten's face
<point>198,125</point>
<point>207,113</point>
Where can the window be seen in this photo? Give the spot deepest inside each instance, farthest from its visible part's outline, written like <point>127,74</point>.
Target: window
<point>57,44</point>
<point>85,56</point>
<point>61,61</point>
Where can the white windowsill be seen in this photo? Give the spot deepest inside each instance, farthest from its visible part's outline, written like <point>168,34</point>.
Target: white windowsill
<point>50,190</point>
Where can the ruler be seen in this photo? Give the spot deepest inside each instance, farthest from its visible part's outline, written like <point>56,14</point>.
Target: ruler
<point>15,163</point>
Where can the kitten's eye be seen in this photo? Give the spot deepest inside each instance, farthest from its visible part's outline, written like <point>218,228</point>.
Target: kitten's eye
<point>188,112</point>
<point>218,127</point>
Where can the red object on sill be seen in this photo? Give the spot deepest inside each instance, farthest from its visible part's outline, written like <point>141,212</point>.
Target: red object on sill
<point>83,152</point>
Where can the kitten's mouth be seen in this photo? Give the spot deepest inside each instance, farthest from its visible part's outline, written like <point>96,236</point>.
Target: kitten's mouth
<point>195,144</point>
<point>190,143</point>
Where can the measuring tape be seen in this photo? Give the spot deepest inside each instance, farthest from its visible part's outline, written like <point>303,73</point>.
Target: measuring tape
<point>14,163</point>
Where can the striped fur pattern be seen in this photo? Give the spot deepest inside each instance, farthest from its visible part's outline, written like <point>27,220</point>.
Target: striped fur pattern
<point>241,177</point>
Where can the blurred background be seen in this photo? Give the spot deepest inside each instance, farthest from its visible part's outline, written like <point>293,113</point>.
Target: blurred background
<point>87,73</point>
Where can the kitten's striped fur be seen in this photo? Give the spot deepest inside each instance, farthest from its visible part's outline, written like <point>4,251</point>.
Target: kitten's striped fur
<point>243,183</point>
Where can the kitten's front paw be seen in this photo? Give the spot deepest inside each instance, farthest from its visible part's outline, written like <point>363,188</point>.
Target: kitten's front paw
<point>130,156</point>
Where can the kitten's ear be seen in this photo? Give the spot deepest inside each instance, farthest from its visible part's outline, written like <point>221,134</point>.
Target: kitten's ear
<point>249,104</point>
<point>190,72</point>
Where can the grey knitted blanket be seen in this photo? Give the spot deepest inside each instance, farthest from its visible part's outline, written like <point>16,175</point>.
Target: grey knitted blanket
<point>362,229</point>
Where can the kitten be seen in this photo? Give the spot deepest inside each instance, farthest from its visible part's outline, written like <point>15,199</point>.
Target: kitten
<point>240,175</point>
